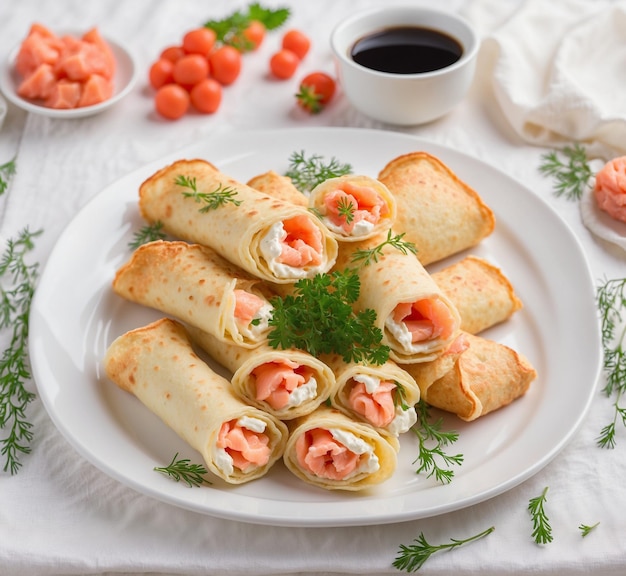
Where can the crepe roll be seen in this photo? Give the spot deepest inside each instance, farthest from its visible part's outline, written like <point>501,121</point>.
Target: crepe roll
<point>354,207</point>
<point>438,212</point>
<point>383,396</point>
<point>157,364</point>
<point>476,376</point>
<point>329,450</point>
<point>417,320</point>
<point>196,285</point>
<point>480,291</point>
<point>270,238</point>
<point>278,186</point>
<point>286,383</point>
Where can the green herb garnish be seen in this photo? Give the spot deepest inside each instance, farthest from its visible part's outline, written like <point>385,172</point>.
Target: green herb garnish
<point>192,474</point>
<point>346,210</point>
<point>230,30</point>
<point>15,302</point>
<point>412,558</point>
<point>318,317</point>
<point>570,170</point>
<point>366,257</point>
<point>7,170</point>
<point>611,300</point>
<point>146,234</point>
<point>212,200</point>
<point>306,172</point>
<point>585,529</point>
<point>542,531</point>
<point>432,443</point>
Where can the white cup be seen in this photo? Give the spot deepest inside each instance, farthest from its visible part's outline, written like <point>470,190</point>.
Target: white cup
<point>404,99</point>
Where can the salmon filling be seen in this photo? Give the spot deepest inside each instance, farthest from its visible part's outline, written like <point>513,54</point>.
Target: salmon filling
<point>376,406</point>
<point>321,453</point>
<point>354,208</point>
<point>247,448</point>
<point>425,319</point>
<point>277,381</point>
<point>249,307</point>
<point>301,244</point>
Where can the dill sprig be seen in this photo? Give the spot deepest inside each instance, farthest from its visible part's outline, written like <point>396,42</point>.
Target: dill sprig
<point>611,300</point>
<point>7,170</point>
<point>432,444</point>
<point>570,170</point>
<point>346,209</point>
<point>306,172</point>
<point>192,474</point>
<point>230,30</point>
<point>15,302</point>
<point>318,317</point>
<point>212,200</point>
<point>586,529</point>
<point>366,256</point>
<point>412,558</point>
<point>147,233</point>
<point>542,531</point>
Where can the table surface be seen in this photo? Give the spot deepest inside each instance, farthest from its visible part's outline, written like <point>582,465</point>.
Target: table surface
<point>61,515</point>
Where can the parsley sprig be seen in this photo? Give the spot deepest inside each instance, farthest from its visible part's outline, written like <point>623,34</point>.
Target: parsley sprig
<point>366,256</point>
<point>16,295</point>
<point>412,558</point>
<point>611,300</point>
<point>7,170</point>
<point>230,30</point>
<point>147,233</point>
<point>318,317</point>
<point>570,170</point>
<point>542,531</point>
<point>212,200</point>
<point>183,469</point>
<point>306,172</point>
<point>432,457</point>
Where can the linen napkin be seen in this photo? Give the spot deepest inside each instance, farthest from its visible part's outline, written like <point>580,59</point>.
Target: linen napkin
<point>558,70</point>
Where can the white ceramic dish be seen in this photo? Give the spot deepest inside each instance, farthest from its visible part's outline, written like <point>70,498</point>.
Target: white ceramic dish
<point>75,316</point>
<point>125,79</point>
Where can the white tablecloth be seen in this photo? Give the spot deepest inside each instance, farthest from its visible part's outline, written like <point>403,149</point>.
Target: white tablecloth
<point>60,515</point>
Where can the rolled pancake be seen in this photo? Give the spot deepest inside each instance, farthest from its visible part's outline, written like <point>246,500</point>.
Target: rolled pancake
<point>158,365</point>
<point>480,291</point>
<point>437,211</point>
<point>278,186</point>
<point>297,377</point>
<point>476,377</point>
<point>371,208</point>
<point>382,396</point>
<point>406,300</point>
<point>196,285</point>
<point>269,238</point>
<point>333,443</point>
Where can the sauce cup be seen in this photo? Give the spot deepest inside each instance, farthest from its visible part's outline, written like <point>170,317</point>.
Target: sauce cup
<point>404,98</point>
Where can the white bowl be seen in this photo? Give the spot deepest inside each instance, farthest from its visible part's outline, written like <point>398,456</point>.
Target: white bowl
<point>404,99</point>
<point>124,80</point>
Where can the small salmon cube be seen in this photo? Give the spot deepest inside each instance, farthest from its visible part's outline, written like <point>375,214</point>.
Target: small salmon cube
<point>65,94</point>
<point>97,89</point>
<point>39,84</point>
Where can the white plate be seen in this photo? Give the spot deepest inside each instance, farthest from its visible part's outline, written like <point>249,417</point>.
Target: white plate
<point>124,79</point>
<point>75,316</point>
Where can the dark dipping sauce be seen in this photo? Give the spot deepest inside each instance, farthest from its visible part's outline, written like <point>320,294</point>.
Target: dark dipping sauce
<point>406,50</point>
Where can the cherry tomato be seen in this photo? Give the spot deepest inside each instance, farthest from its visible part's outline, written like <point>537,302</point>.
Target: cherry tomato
<point>206,96</point>
<point>161,73</point>
<point>172,53</point>
<point>171,101</point>
<point>283,64</point>
<point>296,41</point>
<point>255,33</point>
<point>316,90</point>
<point>199,41</point>
<point>190,69</point>
<point>225,64</point>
